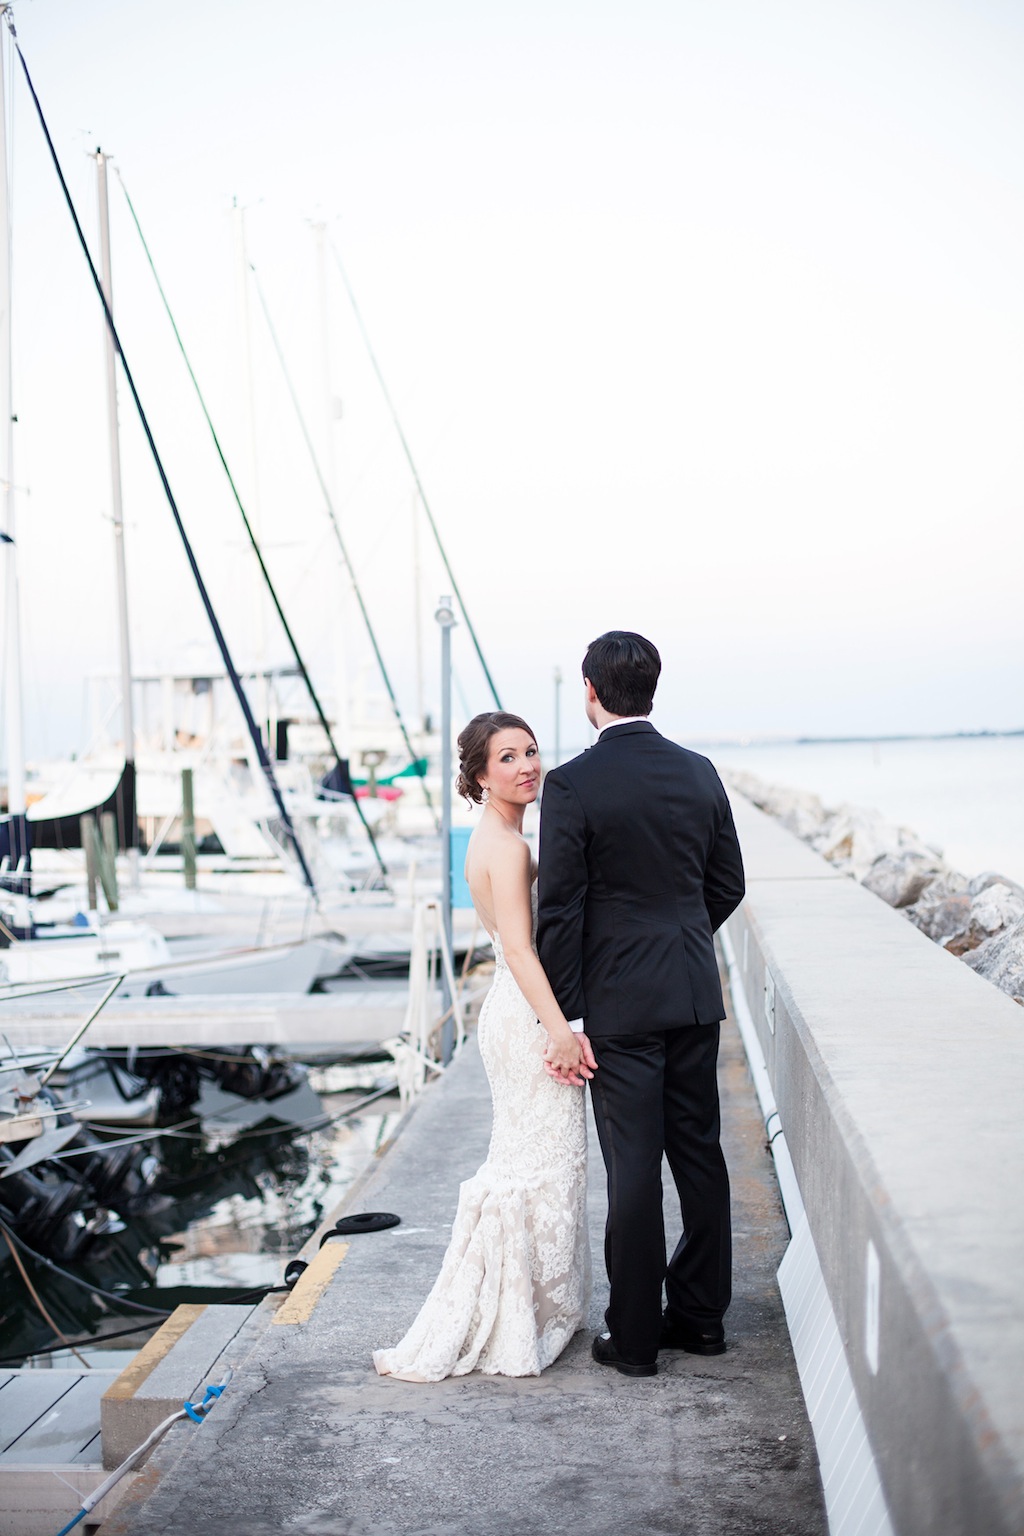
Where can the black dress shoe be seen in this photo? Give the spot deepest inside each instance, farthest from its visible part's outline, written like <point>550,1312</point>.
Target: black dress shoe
<point>605,1353</point>
<point>678,1336</point>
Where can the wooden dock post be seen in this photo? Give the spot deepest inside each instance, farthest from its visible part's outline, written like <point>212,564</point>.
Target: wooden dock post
<point>107,850</point>
<point>188,830</point>
<point>87,827</point>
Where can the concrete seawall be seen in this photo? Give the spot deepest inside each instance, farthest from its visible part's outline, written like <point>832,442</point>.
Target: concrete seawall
<point>899,1078</point>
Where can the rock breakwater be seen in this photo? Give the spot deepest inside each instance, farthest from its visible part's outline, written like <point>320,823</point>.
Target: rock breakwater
<point>981,919</point>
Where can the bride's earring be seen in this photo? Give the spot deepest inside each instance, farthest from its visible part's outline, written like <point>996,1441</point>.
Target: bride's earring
<point>486,793</point>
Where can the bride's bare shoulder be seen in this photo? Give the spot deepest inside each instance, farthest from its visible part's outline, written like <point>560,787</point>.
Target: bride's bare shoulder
<point>497,850</point>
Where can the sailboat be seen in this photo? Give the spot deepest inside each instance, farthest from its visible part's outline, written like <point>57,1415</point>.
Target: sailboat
<point>37,947</point>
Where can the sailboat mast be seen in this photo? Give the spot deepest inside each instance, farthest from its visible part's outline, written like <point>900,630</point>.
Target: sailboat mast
<point>131,829</point>
<point>338,602</point>
<point>12,646</point>
<point>253,499</point>
<point>417,588</point>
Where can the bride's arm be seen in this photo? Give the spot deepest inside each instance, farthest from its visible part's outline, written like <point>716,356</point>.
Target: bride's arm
<point>513,916</point>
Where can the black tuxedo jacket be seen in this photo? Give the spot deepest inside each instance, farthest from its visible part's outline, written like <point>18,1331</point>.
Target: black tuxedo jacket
<point>639,864</point>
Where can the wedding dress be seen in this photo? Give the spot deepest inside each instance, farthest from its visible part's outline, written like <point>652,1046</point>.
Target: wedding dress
<point>515,1281</point>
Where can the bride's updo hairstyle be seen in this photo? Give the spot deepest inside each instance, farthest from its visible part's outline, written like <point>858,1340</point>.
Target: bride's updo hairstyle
<point>475,748</point>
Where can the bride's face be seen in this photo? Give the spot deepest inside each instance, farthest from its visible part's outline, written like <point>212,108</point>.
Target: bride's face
<point>513,767</point>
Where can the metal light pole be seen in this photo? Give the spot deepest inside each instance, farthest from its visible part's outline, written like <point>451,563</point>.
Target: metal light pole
<point>445,617</point>
<point>558,716</point>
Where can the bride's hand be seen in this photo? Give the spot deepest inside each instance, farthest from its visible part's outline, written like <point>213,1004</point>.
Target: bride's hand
<point>569,1059</point>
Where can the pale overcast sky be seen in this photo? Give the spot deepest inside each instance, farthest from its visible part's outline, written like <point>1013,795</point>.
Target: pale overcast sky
<point>705,320</point>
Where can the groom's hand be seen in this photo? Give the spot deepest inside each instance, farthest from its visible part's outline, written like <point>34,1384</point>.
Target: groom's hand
<point>586,1069</point>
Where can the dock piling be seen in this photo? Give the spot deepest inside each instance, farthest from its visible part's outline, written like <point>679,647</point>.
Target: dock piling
<point>85,824</point>
<point>106,848</point>
<point>188,830</point>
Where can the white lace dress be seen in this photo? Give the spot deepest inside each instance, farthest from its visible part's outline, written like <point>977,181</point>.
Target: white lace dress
<point>515,1281</point>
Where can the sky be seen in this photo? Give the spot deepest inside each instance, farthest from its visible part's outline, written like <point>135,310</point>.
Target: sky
<point>701,320</point>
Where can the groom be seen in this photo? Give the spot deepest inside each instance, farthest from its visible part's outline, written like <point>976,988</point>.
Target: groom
<point>639,864</point>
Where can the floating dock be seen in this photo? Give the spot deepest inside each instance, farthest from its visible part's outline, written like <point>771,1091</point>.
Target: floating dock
<point>49,1447</point>
<point>357,1017</point>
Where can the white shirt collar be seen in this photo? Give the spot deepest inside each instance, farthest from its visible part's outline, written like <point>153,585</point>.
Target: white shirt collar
<point>625,720</point>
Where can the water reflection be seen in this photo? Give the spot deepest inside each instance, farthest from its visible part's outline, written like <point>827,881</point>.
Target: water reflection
<point>229,1209</point>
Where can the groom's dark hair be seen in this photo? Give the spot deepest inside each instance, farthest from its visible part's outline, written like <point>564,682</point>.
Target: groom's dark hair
<point>624,669</point>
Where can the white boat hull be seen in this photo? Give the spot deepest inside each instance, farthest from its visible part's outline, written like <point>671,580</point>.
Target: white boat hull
<point>150,965</point>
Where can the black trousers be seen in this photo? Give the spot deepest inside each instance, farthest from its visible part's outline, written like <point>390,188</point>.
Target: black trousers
<point>657,1094</point>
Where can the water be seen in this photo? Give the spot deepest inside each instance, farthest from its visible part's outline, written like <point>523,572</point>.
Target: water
<point>225,1213</point>
<point>964,796</point>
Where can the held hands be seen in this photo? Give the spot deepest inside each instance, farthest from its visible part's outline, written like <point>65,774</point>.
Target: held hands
<point>570,1061</point>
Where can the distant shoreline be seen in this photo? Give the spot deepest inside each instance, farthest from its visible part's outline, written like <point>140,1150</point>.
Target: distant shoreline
<point>819,741</point>
<point>824,741</point>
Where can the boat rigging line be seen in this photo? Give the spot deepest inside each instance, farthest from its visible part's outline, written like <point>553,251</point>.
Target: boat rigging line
<point>180,1133</point>
<point>219,636</point>
<point>414,758</point>
<point>104,1000</point>
<point>83,1285</point>
<point>314,697</point>
<point>91,1341</point>
<point>415,473</point>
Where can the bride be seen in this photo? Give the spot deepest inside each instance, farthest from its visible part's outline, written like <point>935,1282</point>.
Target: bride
<point>515,1281</point>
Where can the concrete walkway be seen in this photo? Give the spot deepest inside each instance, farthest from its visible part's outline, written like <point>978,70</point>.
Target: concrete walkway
<point>309,1440</point>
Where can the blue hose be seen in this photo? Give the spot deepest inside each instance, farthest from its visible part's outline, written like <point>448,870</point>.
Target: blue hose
<point>72,1523</point>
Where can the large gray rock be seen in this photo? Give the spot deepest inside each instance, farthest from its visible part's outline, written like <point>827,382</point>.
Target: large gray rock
<point>800,812</point>
<point>961,915</point>
<point>994,911</point>
<point>983,882</point>
<point>944,907</point>
<point>1000,959</point>
<point>854,838</point>
<point>900,878</point>
<point>997,908</point>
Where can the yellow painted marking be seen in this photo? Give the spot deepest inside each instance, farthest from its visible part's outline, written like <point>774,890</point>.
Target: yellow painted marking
<point>150,1355</point>
<point>298,1307</point>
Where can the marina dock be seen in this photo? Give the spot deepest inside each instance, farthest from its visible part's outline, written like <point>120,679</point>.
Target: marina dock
<point>871,1087</point>
<point>309,1439</point>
